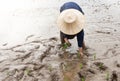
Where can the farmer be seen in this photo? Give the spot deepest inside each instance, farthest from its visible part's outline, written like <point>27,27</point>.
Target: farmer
<point>71,22</point>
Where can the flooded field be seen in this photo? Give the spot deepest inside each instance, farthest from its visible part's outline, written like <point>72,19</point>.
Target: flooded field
<point>29,42</point>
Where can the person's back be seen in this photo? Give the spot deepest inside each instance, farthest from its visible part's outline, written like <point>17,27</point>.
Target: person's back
<point>71,5</point>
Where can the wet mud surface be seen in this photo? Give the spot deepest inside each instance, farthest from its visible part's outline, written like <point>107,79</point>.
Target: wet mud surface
<point>45,60</point>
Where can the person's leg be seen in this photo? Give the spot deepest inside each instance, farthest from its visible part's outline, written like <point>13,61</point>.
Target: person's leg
<point>62,38</point>
<point>84,47</point>
<point>80,40</point>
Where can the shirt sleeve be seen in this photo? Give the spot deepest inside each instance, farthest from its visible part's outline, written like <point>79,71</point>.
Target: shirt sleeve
<point>80,9</point>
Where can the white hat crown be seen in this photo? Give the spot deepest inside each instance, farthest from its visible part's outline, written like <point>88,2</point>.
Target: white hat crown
<point>70,17</point>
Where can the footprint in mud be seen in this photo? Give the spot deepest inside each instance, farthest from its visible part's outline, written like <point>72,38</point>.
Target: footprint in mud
<point>118,65</point>
<point>67,55</point>
<point>91,71</point>
<point>101,66</point>
<point>114,76</point>
<point>54,76</point>
<point>82,75</point>
<point>53,39</point>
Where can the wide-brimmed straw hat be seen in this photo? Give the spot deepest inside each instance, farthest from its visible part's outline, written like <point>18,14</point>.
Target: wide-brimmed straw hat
<point>71,21</point>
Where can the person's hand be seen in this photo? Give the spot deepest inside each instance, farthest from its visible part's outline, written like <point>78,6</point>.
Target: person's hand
<point>68,44</point>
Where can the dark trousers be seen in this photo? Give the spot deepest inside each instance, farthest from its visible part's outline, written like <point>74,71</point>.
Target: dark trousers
<point>80,37</point>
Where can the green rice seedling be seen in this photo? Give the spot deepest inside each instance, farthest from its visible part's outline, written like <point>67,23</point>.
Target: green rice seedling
<point>67,67</point>
<point>65,46</point>
<point>81,65</point>
<point>83,79</point>
<point>101,65</point>
<point>7,72</point>
<point>107,76</point>
<point>66,78</point>
<point>50,68</point>
<point>27,71</point>
<point>95,56</point>
<point>78,55</point>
